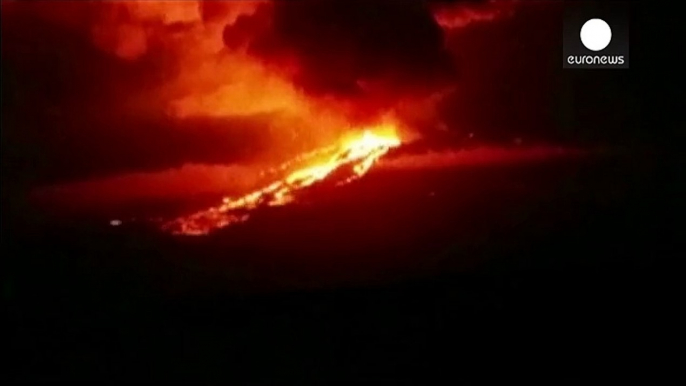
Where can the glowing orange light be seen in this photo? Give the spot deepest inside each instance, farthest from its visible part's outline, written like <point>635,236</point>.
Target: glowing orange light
<point>359,153</point>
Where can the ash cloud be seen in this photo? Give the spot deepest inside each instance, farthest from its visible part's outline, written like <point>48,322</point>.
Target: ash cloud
<point>370,54</point>
<point>95,85</point>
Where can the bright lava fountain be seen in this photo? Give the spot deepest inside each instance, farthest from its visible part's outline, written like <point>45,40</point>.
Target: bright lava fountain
<point>353,157</point>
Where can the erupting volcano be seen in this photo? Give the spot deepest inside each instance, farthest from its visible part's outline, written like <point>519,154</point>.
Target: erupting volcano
<point>343,164</point>
<point>224,92</point>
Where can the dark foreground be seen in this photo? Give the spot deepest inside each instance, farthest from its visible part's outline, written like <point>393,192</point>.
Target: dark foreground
<point>558,267</point>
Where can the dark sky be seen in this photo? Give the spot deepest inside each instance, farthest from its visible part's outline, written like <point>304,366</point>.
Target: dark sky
<point>67,105</point>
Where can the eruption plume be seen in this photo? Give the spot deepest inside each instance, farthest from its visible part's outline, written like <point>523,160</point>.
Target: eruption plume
<point>295,76</point>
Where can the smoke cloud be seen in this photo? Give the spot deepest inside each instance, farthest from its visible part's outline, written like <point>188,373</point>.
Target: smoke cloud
<point>303,71</point>
<point>460,14</point>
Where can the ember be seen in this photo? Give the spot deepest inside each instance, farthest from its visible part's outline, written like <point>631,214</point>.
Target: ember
<point>358,155</point>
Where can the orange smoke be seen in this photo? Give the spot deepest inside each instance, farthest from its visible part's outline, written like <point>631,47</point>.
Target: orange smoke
<point>209,79</point>
<point>121,26</point>
<point>208,59</point>
<point>461,15</point>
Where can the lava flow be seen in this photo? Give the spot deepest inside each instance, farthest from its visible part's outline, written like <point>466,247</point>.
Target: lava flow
<point>353,158</point>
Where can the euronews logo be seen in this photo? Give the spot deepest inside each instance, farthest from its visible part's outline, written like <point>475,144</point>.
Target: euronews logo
<point>593,41</point>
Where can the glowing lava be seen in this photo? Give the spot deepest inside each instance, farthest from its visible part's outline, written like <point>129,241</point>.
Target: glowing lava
<point>353,158</point>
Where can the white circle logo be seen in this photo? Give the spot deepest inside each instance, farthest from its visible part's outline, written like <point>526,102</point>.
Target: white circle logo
<point>596,34</point>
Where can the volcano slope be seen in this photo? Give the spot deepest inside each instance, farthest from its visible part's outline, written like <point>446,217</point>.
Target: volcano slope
<point>402,272</point>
